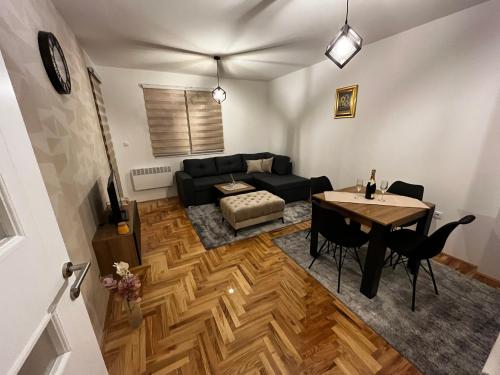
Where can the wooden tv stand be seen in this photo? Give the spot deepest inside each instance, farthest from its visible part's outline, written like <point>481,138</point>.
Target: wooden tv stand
<point>111,247</point>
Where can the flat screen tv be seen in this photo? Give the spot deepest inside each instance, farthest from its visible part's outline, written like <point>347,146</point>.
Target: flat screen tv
<point>117,214</point>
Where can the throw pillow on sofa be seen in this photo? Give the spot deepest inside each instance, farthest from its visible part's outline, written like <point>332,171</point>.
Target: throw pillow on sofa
<point>254,166</point>
<point>267,165</point>
<point>280,164</point>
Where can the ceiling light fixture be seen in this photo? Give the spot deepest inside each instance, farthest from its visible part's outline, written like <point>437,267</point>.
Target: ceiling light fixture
<point>218,93</point>
<point>345,45</point>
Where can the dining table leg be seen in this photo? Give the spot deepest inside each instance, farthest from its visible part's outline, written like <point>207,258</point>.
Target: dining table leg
<point>374,262</point>
<point>424,223</point>
<point>313,247</point>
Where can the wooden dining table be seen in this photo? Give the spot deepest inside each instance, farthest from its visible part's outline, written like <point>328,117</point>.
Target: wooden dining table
<point>381,219</point>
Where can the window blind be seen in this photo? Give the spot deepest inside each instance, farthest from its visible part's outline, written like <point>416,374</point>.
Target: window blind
<point>95,83</point>
<point>168,121</point>
<point>205,122</point>
<point>183,121</point>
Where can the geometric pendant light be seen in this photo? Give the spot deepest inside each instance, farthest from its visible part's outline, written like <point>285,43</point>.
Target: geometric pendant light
<point>345,45</point>
<point>218,93</point>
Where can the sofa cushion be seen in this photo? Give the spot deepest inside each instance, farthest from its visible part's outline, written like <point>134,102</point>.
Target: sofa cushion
<point>254,166</point>
<point>207,182</point>
<point>275,182</point>
<point>259,155</point>
<point>280,164</point>
<point>267,165</point>
<point>200,167</point>
<point>239,176</point>
<point>229,164</point>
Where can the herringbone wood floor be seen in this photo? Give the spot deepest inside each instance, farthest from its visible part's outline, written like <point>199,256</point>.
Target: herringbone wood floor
<point>277,320</point>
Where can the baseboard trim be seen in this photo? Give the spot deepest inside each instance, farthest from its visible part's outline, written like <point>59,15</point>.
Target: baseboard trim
<point>467,268</point>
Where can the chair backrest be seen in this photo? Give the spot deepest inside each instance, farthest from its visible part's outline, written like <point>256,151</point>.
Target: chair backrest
<point>434,244</point>
<point>406,189</point>
<point>320,184</point>
<point>331,224</point>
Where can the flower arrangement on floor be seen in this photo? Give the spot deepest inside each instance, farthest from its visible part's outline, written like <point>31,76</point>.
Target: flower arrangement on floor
<point>128,288</point>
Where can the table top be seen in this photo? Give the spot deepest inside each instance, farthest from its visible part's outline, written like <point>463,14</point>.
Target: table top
<point>368,213</point>
<point>224,191</point>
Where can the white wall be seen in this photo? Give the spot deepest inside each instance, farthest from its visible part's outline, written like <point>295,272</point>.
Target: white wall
<point>64,131</point>
<point>428,112</point>
<point>244,114</point>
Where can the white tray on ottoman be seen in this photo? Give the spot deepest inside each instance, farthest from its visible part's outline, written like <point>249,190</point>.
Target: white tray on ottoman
<point>257,207</point>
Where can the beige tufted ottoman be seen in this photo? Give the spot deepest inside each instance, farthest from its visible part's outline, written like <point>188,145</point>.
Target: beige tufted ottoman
<point>244,210</point>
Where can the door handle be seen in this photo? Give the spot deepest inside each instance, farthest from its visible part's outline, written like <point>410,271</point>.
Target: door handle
<point>68,270</point>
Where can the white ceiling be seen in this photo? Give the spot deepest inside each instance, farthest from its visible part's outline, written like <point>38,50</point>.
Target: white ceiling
<point>257,39</point>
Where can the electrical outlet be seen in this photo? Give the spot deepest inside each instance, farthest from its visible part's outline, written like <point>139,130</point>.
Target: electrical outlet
<point>438,215</point>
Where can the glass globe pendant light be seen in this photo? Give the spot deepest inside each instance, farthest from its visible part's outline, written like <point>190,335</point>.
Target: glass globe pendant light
<point>345,45</point>
<point>218,94</point>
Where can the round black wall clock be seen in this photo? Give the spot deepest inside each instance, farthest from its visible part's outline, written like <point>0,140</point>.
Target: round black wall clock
<point>54,62</point>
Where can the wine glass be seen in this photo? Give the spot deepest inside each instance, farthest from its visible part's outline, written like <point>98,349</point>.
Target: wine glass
<point>359,186</point>
<point>384,185</point>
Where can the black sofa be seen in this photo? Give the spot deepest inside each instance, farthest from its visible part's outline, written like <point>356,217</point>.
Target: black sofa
<point>195,184</point>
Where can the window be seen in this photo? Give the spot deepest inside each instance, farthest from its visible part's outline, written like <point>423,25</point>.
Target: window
<point>183,122</point>
<point>168,122</point>
<point>205,122</point>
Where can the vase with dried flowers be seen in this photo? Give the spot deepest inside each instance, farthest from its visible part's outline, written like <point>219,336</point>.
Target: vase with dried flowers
<point>128,288</point>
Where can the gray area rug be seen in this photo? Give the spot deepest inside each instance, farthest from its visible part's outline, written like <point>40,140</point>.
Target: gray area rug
<point>207,222</point>
<point>449,333</point>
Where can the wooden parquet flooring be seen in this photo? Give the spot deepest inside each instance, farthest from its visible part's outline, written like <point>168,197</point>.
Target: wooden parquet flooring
<point>245,308</point>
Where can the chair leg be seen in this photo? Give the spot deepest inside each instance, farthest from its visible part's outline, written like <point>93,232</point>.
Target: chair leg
<point>335,255</point>
<point>388,259</point>
<point>407,273</point>
<point>397,261</point>
<point>318,254</point>
<point>322,246</point>
<point>358,259</point>
<point>314,259</point>
<point>432,276</point>
<point>414,289</point>
<point>308,234</point>
<point>340,270</point>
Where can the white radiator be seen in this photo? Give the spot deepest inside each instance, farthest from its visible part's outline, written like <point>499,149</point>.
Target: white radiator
<point>151,178</point>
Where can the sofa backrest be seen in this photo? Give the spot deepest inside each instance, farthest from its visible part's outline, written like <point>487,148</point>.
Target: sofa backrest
<point>234,164</point>
<point>259,155</point>
<point>281,165</point>
<point>200,167</point>
<point>230,164</point>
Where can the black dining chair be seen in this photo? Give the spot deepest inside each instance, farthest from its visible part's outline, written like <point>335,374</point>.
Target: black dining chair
<point>413,248</point>
<point>319,185</point>
<point>407,190</point>
<point>344,238</point>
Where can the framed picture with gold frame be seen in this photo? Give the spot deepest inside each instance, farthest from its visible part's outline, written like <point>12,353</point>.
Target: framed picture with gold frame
<point>345,103</point>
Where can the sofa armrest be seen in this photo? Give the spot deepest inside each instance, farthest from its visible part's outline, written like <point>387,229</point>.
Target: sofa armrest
<point>185,187</point>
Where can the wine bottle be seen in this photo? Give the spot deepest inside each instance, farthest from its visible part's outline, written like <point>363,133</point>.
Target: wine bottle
<point>371,187</point>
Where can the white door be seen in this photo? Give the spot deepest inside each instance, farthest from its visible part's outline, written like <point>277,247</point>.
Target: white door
<point>42,330</point>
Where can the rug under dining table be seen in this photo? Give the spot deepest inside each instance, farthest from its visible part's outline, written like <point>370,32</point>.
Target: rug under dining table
<point>449,333</point>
